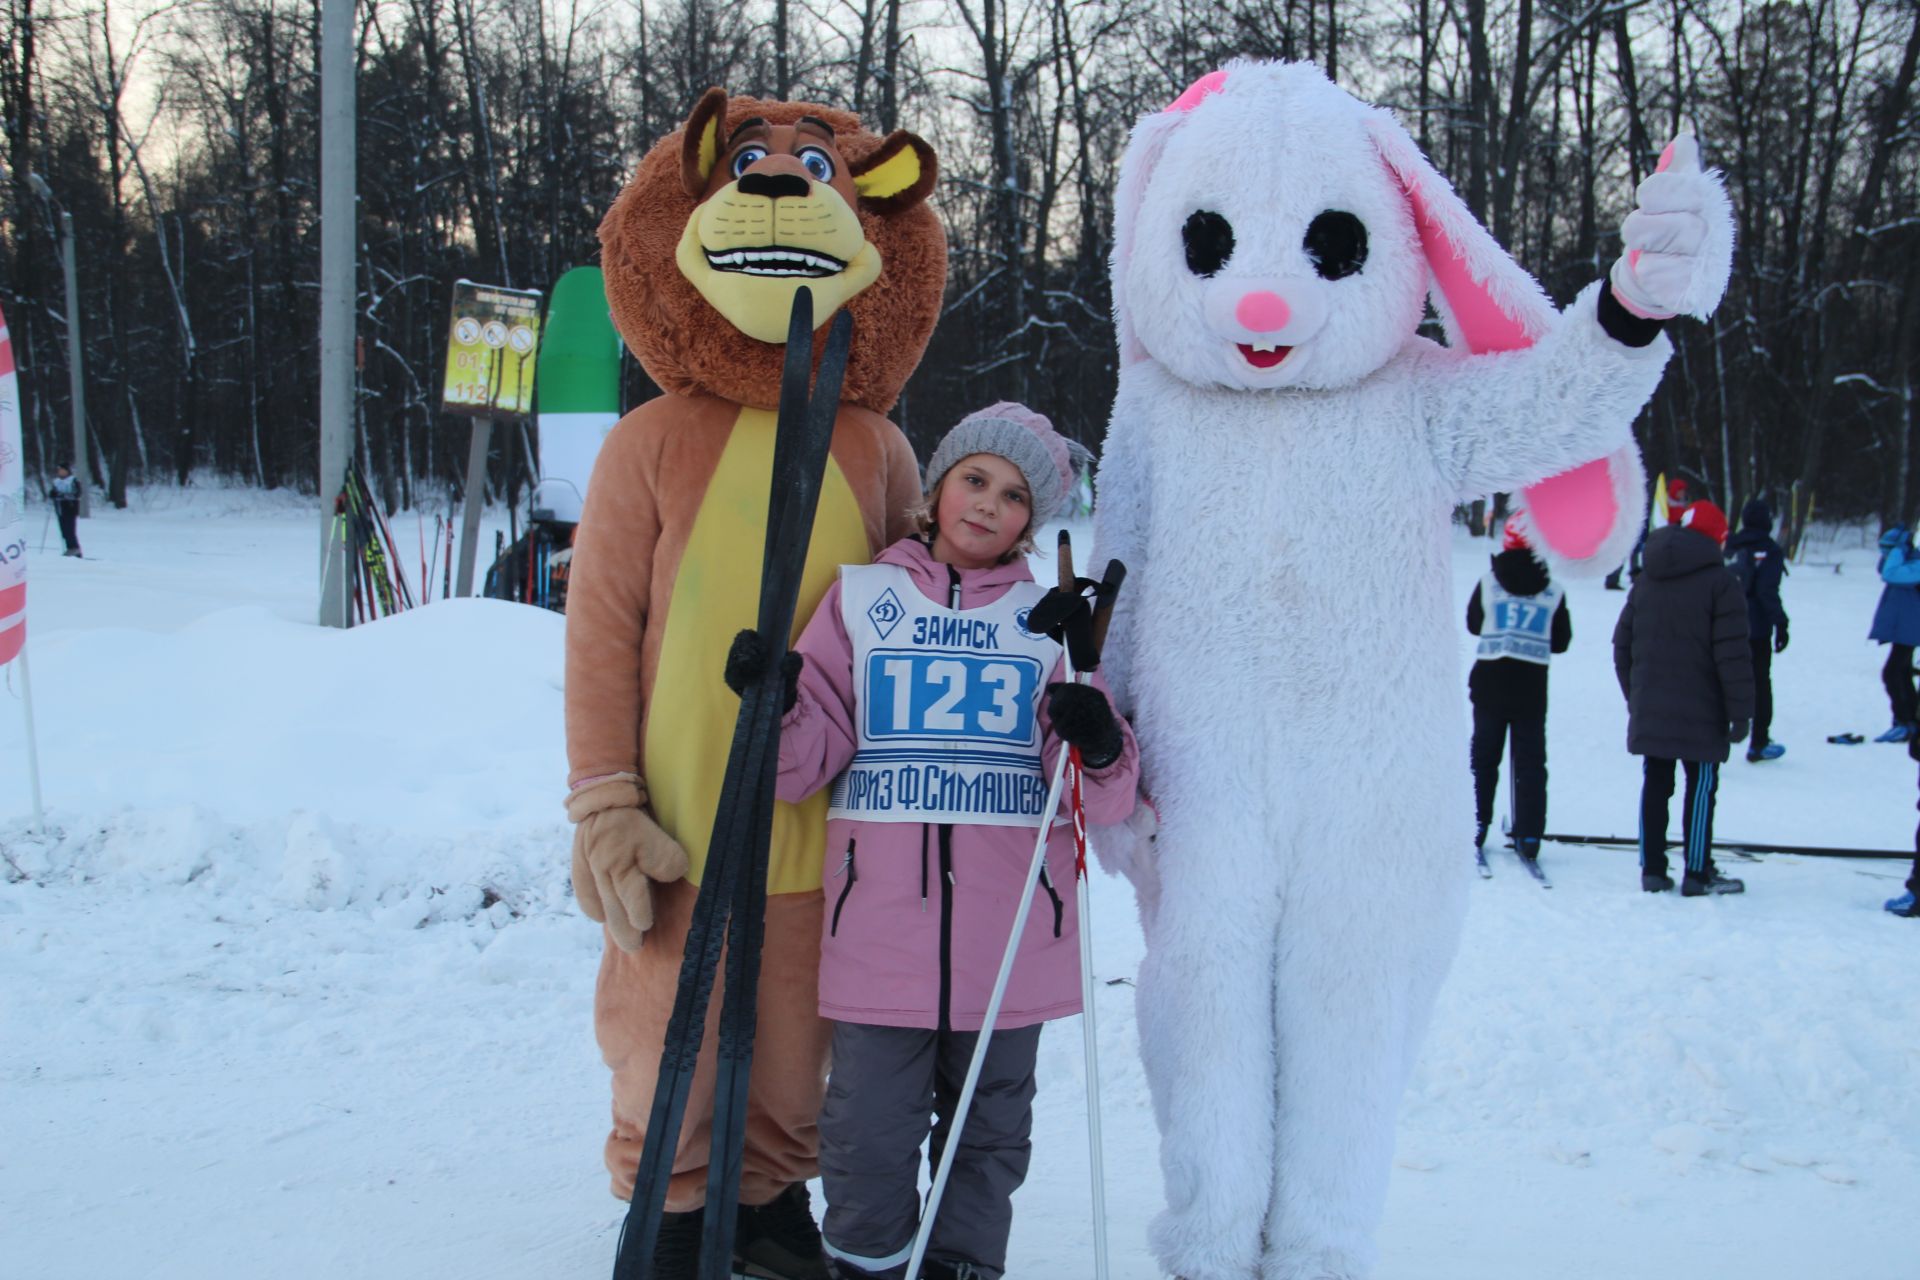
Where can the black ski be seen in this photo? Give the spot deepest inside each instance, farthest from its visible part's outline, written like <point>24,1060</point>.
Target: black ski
<point>732,898</point>
<point>1742,846</point>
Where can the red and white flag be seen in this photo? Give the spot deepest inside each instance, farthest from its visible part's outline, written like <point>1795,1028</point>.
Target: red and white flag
<point>13,521</point>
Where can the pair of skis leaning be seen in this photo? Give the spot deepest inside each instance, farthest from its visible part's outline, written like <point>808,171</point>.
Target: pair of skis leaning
<point>733,889</point>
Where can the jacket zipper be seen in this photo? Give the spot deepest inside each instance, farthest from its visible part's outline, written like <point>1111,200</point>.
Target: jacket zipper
<point>946,871</point>
<point>852,874</point>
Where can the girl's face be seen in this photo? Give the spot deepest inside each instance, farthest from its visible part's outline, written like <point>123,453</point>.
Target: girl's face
<point>983,509</point>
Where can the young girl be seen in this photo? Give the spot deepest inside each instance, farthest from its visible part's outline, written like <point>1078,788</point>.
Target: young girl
<point>937,717</point>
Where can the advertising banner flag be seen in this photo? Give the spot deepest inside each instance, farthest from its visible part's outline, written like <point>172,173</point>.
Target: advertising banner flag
<point>490,351</point>
<point>13,494</point>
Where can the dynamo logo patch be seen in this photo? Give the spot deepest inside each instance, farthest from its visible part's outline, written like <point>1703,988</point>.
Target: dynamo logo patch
<point>886,612</point>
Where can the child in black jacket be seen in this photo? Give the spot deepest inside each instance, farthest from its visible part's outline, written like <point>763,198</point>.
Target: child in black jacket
<point>1521,617</point>
<point>1759,563</point>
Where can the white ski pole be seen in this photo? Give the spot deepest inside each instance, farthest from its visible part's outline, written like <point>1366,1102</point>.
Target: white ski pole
<point>1090,1041</point>
<point>932,1211</point>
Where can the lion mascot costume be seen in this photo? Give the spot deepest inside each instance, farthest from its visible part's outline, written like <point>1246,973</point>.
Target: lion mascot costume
<point>702,254</point>
<point>1283,459</point>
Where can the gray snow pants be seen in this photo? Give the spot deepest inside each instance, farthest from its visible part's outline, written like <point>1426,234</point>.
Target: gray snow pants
<point>892,1089</point>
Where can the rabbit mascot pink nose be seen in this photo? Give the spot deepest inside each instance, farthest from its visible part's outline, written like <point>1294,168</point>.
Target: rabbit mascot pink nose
<point>1284,455</point>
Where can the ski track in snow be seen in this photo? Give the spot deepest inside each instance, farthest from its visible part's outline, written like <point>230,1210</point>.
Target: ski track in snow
<point>293,984</point>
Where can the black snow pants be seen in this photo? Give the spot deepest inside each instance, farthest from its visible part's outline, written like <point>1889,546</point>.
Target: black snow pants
<point>1897,676</point>
<point>1762,648</point>
<point>68,514</point>
<point>1510,701</point>
<point>1703,781</point>
<point>893,1089</point>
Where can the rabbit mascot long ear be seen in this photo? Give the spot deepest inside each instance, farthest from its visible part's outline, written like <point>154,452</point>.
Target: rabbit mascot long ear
<point>1583,521</point>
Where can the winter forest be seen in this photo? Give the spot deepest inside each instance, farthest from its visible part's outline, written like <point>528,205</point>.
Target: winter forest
<point>182,139</point>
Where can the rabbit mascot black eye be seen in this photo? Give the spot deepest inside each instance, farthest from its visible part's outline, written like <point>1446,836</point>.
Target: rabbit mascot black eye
<point>1279,473</point>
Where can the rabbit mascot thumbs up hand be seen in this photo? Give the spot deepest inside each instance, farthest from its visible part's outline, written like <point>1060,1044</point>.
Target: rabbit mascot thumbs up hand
<point>1284,455</point>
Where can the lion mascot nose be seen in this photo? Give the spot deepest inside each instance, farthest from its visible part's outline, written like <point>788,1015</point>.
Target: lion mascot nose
<point>772,185</point>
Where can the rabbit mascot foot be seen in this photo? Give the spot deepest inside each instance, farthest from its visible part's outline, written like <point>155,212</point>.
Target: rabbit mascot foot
<point>1284,455</point>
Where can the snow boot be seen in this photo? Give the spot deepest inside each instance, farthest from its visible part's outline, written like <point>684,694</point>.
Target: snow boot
<point>1900,732</point>
<point>1905,905</point>
<point>1765,751</point>
<point>676,1251</point>
<point>1655,881</point>
<point>940,1269</point>
<point>779,1240</point>
<point>1698,884</point>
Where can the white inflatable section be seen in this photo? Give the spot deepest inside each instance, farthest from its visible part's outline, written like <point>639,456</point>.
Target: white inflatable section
<point>569,443</point>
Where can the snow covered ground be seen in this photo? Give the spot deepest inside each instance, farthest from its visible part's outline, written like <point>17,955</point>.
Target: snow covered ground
<point>293,985</point>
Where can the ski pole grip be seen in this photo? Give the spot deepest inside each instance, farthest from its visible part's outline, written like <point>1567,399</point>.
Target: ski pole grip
<point>1108,593</point>
<point>1066,561</point>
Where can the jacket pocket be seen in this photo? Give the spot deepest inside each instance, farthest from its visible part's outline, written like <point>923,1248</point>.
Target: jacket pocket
<point>852,873</point>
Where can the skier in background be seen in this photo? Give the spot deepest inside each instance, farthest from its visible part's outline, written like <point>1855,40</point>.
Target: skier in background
<point>1521,617</point>
<point>1896,623</point>
<point>1908,903</point>
<point>1760,563</point>
<point>65,492</point>
<point>922,888</point>
<point>1680,650</point>
<point>1677,494</point>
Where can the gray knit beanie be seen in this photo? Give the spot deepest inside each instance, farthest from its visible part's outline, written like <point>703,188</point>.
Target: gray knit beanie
<point>1021,436</point>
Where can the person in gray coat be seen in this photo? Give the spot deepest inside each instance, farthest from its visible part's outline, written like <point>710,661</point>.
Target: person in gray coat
<point>1680,650</point>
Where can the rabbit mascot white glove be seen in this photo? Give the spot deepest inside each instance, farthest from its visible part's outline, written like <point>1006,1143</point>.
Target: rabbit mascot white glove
<point>1279,473</point>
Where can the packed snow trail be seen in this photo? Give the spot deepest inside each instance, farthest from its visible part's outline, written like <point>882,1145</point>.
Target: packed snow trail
<point>296,983</point>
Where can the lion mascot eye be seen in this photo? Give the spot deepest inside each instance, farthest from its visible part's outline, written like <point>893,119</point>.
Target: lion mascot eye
<point>748,157</point>
<point>818,163</point>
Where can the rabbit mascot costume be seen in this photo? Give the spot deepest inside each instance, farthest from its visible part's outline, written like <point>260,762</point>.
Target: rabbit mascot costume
<point>1287,652</point>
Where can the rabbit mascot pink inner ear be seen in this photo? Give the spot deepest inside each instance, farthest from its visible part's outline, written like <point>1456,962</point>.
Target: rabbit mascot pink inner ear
<point>1584,520</point>
<point>1284,455</point>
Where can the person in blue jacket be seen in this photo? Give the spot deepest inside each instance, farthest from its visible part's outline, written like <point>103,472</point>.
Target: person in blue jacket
<point>1896,622</point>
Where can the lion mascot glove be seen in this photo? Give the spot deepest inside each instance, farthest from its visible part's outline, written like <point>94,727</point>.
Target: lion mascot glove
<point>702,253</point>
<point>1283,459</point>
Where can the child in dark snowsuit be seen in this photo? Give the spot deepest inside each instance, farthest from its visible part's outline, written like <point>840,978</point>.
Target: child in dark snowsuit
<point>1759,563</point>
<point>1680,650</point>
<point>1521,618</point>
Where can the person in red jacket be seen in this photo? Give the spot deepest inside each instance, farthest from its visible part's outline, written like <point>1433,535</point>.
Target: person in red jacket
<point>935,717</point>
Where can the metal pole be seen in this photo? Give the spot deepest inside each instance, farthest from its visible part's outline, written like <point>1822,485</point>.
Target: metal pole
<point>476,495</point>
<point>33,742</point>
<point>76,374</point>
<point>337,292</point>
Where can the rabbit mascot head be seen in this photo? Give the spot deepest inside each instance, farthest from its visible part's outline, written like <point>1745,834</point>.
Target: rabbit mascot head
<point>1273,231</point>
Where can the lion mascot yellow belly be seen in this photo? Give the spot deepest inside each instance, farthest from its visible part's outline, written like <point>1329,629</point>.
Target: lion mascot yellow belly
<point>702,253</point>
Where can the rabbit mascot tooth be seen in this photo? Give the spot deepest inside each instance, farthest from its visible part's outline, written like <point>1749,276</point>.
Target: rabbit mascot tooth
<point>1283,458</point>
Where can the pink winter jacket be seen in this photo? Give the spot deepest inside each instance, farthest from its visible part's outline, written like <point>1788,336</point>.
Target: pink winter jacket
<point>917,915</point>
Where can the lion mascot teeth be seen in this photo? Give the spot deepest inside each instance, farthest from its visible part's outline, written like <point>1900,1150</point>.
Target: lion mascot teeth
<point>702,253</point>
<point>1279,473</point>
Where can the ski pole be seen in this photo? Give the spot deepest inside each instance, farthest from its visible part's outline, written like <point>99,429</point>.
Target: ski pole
<point>46,525</point>
<point>1070,585</point>
<point>1089,1029</point>
<point>979,1058</point>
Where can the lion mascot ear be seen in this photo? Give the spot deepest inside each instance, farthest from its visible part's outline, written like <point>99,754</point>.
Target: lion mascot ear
<point>700,148</point>
<point>898,175</point>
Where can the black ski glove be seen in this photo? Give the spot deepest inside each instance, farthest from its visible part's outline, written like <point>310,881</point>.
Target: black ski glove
<point>1780,640</point>
<point>1083,719</point>
<point>747,660</point>
<point>1737,731</point>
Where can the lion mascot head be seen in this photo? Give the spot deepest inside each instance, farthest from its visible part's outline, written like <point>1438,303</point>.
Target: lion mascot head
<point>728,216</point>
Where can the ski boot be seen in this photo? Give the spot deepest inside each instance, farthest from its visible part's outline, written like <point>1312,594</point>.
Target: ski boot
<point>1900,732</point>
<point>1655,882</point>
<point>778,1240</point>
<point>1905,905</point>
<point>1765,751</point>
<point>676,1251</point>
<point>1528,847</point>
<point>1699,884</point>
<point>940,1269</point>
